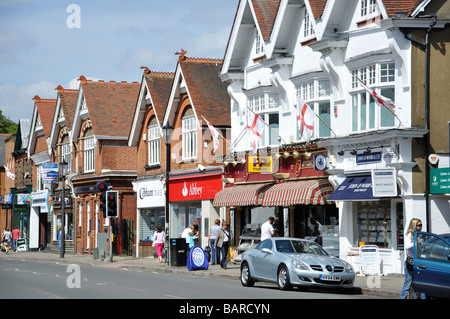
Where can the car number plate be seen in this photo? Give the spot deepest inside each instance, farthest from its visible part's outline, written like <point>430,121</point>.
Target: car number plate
<point>330,277</point>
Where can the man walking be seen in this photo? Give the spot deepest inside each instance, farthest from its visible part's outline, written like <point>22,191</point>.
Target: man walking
<point>15,236</point>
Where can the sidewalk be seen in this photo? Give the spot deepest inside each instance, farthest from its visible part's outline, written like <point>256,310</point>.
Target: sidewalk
<point>379,286</point>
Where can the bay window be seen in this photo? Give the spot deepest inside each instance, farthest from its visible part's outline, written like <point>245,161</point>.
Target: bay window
<point>266,105</point>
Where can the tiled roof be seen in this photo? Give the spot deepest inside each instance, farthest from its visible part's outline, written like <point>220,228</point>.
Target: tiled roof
<point>207,91</point>
<point>317,7</point>
<point>159,84</point>
<point>111,105</point>
<point>68,100</point>
<point>400,6</point>
<point>266,13</point>
<point>46,110</point>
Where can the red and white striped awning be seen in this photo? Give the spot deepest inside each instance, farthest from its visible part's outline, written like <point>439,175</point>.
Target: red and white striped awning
<point>240,195</point>
<point>314,191</point>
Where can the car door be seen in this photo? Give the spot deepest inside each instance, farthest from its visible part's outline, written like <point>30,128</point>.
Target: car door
<point>431,264</point>
<point>262,260</point>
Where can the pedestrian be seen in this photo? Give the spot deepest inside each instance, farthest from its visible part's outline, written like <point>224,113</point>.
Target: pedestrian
<point>15,236</point>
<point>317,232</point>
<point>6,239</point>
<point>267,230</point>
<point>222,243</point>
<point>185,235</point>
<point>414,225</point>
<point>159,242</point>
<point>192,238</point>
<point>212,238</point>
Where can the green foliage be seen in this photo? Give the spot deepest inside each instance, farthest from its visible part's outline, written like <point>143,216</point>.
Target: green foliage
<point>6,125</point>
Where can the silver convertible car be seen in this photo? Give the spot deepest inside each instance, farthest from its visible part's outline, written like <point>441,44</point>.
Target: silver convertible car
<point>294,262</point>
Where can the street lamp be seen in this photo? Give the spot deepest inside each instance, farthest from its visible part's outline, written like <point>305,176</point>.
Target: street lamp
<point>63,171</point>
<point>167,131</point>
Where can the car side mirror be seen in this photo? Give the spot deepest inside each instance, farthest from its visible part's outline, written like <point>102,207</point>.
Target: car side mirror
<point>266,250</point>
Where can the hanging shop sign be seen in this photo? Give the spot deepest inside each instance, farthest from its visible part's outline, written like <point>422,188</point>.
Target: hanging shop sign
<point>384,182</point>
<point>23,199</point>
<point>50,173</point>
<point>260,164</point>
<point>42,200</point>
<point>320,162</point>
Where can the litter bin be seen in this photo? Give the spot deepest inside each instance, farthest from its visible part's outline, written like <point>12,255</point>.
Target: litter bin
<point>178,252</point>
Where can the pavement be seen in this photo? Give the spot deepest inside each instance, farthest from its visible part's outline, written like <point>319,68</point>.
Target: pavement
<point>388,286</point>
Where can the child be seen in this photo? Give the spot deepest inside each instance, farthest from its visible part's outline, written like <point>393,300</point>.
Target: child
<point>191,240</point>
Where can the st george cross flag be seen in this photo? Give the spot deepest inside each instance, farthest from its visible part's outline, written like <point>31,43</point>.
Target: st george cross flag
<point>380,99</point>
<point>255,128</point>
<point>214,134</point>
<point>9,173</point>
<point>305,119</point>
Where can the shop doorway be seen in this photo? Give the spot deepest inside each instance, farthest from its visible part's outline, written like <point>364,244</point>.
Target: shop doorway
<point>304,216</point>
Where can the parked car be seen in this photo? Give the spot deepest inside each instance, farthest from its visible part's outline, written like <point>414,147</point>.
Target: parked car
<point>432,264</point>
<point>294,262</point>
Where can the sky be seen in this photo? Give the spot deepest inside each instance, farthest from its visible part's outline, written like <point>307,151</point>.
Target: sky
<point>46,43</point>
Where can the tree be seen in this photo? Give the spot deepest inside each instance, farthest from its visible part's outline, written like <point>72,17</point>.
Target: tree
<point>6,125</point>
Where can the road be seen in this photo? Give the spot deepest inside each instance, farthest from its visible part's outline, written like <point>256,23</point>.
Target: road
<point>25,279</point>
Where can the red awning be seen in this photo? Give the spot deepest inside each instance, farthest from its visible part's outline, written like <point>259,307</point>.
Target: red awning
<point>240,195</point>
<point>314,191</point>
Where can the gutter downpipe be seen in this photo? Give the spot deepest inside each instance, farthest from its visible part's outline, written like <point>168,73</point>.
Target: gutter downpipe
<point>427,113</point>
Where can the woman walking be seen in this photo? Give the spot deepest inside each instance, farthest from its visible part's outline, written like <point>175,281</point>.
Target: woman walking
<point>159,242</point>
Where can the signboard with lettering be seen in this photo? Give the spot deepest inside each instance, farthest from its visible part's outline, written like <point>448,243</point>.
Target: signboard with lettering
<point>150,194</point>
<point>194,188</point>
<point>368,158</point>
<point>384,182</point>
<point>370,260</point>
<point>260,164</point>
<point>440,180</point>
<point>50,173</point>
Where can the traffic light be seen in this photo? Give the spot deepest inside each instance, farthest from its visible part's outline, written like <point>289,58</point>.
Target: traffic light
<point>103,204</point>
<point>112,204</point>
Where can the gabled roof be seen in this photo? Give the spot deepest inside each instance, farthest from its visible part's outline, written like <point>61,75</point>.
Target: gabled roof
<point>66,103</point>
<point>393,7</point>
<point>207,93</point>
<point>110,106</point>
<point>317,7</point>
<point>266,13</point>
<point>157,86</point>
<point>44,109</point>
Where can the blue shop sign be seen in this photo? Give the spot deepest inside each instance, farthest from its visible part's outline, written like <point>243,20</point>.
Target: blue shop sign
<point>369,158</point>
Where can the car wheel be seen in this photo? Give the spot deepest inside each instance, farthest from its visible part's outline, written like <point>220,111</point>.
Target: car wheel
<point>246,278</point>
<point>284,283</point>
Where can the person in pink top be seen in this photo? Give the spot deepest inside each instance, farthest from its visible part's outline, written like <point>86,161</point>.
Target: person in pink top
<point>15,236</point>
<point>159,242</point>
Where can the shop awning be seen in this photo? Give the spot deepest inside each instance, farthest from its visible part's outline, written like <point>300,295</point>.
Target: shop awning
<point>240,195</point>
<point>358,188</point>
<point>314,191</point>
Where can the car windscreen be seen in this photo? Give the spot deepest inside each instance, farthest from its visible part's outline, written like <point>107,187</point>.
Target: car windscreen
<point>299,247</point>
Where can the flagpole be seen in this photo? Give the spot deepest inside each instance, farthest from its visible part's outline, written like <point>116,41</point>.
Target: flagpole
<point>325,123</point>
<point>238,138</point>
<point>383,105</point>
<point>267,125</point>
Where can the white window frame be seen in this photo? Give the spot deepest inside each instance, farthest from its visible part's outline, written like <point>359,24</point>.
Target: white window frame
<point>189,138</point>
<point>89,154</point>
<point>154,145</point>
<point>266,105</point>
<point>307,26</point>
<point>368,9</point>
<point>259,44</point>
<point>316,93</point>
<point>367,115</point>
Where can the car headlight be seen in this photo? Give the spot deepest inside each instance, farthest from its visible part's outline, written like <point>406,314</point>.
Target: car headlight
<point>299,265</point>
<point>349,268</point>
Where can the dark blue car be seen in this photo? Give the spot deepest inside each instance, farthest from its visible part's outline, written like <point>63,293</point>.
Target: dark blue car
<point>432,264</point>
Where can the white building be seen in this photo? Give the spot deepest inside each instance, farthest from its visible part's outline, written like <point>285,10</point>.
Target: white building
<point>321,51</point>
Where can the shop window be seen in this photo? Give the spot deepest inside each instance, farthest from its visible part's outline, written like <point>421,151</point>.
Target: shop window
<point>185,214</point>
<point>374,224</point>
<point>149,219</point>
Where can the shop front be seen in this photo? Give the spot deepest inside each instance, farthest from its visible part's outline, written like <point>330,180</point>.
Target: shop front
<point>40,220</point>
<point>150,213</point>
<point>191,195</point>
<point>288,186</point>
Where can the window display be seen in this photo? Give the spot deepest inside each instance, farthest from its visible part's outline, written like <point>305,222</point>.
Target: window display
<point>374,224</point>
